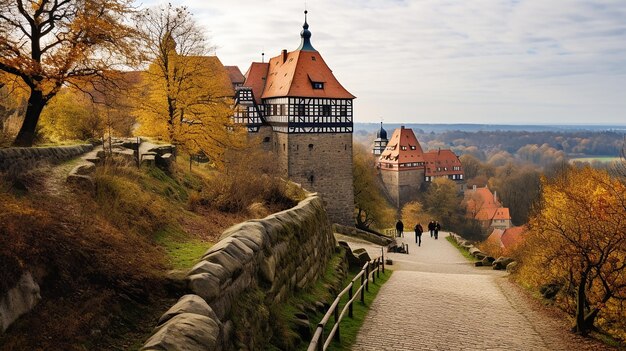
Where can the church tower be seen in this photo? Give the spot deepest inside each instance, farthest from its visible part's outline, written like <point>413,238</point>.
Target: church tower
<point>310,116</point>
<point>380,143</point>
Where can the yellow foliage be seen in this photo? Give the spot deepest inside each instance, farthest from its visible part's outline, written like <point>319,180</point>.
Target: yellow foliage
<point>578,240</point>
<point>372,208</point>
<point>188,104</point>
<point>413,213</point>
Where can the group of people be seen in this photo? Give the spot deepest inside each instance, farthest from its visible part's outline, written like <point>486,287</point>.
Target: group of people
<point>433,227</point>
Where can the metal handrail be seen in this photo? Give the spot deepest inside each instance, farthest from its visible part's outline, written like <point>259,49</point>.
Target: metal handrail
<point>318,342</point>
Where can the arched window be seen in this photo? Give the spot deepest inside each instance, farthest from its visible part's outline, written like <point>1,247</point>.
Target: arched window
<point>310,147</point>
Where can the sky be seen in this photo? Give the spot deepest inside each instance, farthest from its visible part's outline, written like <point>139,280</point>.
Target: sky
<point>444,61</point>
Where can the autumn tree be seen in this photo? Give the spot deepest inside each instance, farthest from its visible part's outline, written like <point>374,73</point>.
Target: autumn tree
<point>12,106</point>
<point>442,200</point>
<point>578,238</point>
<point>413,213</point>
<point>50,44</point>
<point>372,208</point>
<point>471,166</point>
<point>186,95</point>
<point>518,188</point>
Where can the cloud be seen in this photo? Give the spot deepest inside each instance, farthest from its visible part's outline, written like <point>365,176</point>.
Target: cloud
<point>480,61</point>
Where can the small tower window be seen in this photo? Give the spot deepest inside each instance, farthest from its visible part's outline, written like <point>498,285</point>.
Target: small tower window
<point>318,85</point>
<point>266,139</point>
<point>311,178</point>
<point>310,147</point>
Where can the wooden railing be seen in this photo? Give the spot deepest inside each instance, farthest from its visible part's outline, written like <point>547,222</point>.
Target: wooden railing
<point>371,268</point>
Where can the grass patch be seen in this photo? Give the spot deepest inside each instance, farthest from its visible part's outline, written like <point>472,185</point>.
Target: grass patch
<point>284,335</point>
<point>183,251</point>
<point>461,249</point>
<point>350,327</point>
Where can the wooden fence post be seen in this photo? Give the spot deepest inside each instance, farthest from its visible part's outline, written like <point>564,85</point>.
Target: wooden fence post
<point>350,299</point>
<point>362,290</point>
<point>337,337</point>
<point>367,277</point>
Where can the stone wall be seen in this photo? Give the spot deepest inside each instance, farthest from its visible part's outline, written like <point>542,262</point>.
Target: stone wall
<point>24,158</point>
<point>256,265</point>
<point>402,186</point>
<point>323,163</point>
<point>376,238</point>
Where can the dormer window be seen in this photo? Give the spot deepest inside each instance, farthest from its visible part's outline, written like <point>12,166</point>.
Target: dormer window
<point>318,85</point>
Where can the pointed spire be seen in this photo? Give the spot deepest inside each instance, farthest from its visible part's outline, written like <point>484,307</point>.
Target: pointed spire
<point>305,44</point>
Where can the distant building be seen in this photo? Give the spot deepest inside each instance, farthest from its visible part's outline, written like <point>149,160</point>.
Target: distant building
<point>235,76</point>
<point>483,205</point>
<point>405,167</point>
<point>507,239</point>
<point>380,143</point>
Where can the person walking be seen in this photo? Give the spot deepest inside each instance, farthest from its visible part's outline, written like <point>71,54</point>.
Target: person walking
<point>418,234</point>
<point>437,229</point>
<point>399,228</point>
<point>431,228</point>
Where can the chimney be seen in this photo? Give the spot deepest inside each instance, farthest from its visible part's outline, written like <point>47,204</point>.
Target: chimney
<point>401,127</point>
<point>495,196</point>
<point>474,188</point>
<point>284,55</point>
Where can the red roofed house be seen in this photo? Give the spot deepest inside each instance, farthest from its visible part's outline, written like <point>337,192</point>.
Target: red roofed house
<point>507,239</point>
<point>484,206</point>
<point>404,166</point>
<point>300,111</point>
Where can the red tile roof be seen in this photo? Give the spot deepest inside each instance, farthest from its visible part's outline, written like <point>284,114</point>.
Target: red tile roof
<point>512,237</point>
<point>495,237</point>
<point>402,147</point>
<point>293,74</point>
<point>444,160</point>
<point>485,204</point>
<point>255,79</point>
<point>235,75</point>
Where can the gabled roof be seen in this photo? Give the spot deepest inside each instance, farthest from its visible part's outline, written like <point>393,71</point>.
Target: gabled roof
<point>512,237</point>
<point>255,79</point>
<point>495,237</point>
<point>293,74</point>
<point>443,159</point>
<point>402,147</point>
<point>481,198</point>
<point>235,75</point>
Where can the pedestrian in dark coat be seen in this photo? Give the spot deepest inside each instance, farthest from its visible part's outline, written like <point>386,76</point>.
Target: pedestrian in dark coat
<point>431,228</point>
<point>418,234</point>
<point>399,228</point>
<point>437,229</point>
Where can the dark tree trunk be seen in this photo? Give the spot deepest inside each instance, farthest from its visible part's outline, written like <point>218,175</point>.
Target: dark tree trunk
<point>26,135</point>
<point>581,326</point>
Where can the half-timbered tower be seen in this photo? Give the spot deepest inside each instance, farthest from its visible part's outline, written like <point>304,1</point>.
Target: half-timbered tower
<point>301,110</point>
<point>405,167</point>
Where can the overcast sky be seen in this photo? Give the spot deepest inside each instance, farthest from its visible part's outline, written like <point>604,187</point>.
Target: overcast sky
<point>438,61</point>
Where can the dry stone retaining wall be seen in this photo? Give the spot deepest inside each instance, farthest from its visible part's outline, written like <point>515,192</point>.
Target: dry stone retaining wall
<point>23,158</point>
<point>269,259</point>
<point>375,238</point>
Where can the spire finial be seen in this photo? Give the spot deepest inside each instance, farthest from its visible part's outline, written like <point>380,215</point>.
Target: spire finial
<point>306,35</point>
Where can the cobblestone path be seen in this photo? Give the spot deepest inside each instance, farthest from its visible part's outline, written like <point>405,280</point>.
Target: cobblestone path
<point>437,300</point>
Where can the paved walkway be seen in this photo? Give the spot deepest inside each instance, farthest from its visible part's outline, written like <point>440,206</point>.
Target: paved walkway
<point>437,300</point>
